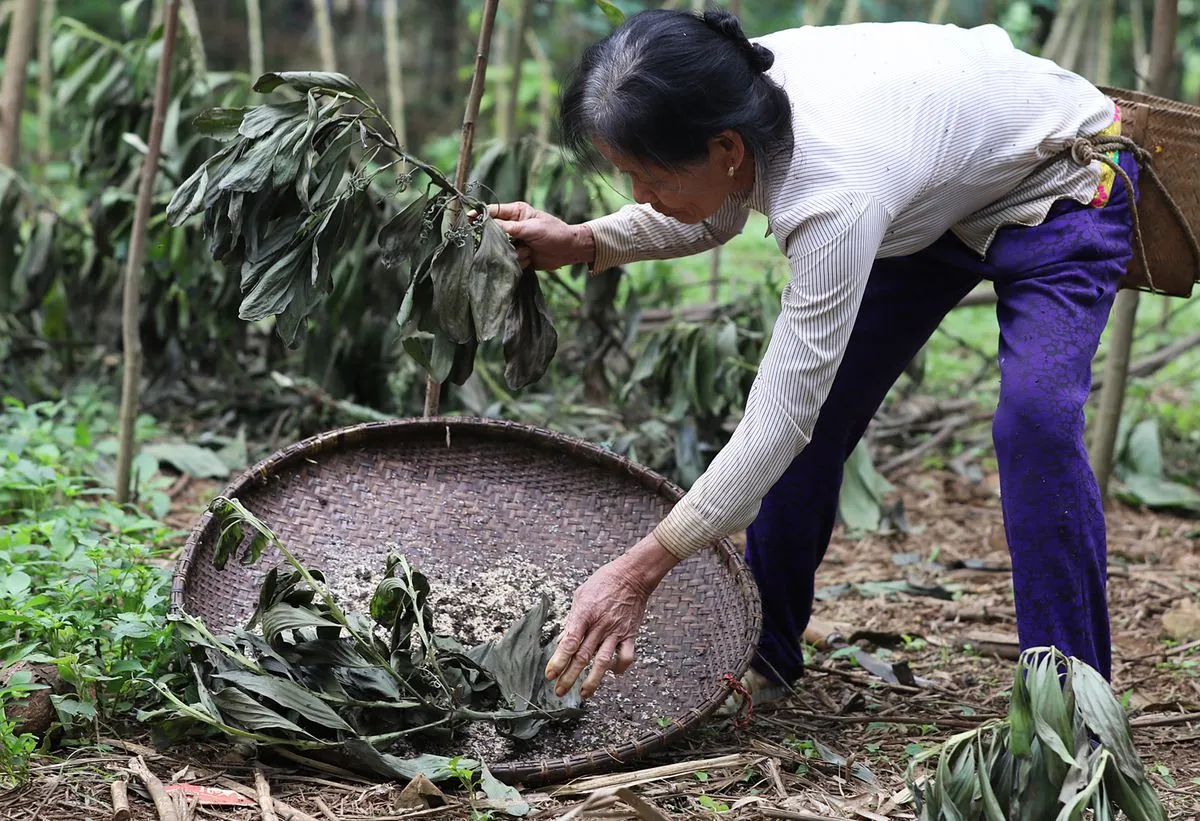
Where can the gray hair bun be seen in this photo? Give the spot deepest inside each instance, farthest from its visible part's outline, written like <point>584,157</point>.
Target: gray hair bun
<point>761,58</point>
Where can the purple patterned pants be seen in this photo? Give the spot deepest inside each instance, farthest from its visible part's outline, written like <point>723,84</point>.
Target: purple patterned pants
<point>1056,283</point>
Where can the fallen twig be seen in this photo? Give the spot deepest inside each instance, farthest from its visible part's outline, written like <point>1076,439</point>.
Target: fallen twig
<point>263,789</point>
<point>944,432</point>
<point>324,808</point>
<point>283,812</point>
<point>162,802</point>
<point>1159,359</point>
<point>606,798</point>
<point>795,815</point>
<point>1165,721</point>
<point>120,800</point>
<point>637,777</point>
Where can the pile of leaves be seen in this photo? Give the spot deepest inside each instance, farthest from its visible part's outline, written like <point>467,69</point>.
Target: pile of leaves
<point>1040,761</point>
<point>280,199</point>
<point>353,685</point>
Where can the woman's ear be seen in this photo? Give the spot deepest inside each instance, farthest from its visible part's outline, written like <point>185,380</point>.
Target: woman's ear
<point>727,149</point>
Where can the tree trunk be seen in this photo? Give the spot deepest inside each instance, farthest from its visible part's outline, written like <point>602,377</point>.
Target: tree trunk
<point>191,24</point>
<point>45,61</point>
<point>937,14</point>
<point>395,75</point>
<point>516,56</point>
<point>137,254</point>
<point>22,33</point>
<point>1116,370</point>
<point>433,389</point>
<point>546,90</point>
<point>324,26</point>
<point>254,34</point>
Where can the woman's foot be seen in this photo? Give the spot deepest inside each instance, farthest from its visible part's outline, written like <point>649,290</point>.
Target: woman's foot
<point>762,691</point>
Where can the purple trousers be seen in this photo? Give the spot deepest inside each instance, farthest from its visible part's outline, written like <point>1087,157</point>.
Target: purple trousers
<point>1056,283</point>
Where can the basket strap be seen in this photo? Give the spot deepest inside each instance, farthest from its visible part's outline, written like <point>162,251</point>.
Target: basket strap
<point>1084,150</point>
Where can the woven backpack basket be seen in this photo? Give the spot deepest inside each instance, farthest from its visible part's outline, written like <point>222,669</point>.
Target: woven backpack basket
<point>1169,132</point>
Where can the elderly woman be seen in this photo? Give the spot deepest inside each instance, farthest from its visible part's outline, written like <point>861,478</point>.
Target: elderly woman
<point>898,165</point>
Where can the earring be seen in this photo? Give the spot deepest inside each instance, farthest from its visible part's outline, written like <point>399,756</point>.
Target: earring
<point>732,170</point>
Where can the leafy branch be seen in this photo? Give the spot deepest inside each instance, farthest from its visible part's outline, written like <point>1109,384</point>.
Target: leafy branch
<point>282,196</point>
<point>306,674</point>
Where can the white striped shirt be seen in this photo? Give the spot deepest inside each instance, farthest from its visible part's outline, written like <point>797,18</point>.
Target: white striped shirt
<point>903,131</point>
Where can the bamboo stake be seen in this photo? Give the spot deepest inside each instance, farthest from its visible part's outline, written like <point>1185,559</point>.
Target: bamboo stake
<point>137,254</point>
<point>254,33</point>
<point>324,35</point>
<point>1124,316</point>
<point>45,80</point>
<point>395,76</point>
<point>22,32</point>
<point>433,389</point>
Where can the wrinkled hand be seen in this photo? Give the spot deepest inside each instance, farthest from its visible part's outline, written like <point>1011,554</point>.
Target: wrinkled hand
<point>543,241</point>
<point>606,613</point>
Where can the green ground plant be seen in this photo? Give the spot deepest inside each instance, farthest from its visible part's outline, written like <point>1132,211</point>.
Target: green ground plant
<point>83,584</point>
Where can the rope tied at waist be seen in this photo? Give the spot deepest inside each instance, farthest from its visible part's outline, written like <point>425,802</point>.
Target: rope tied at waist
<point>1084,150</point>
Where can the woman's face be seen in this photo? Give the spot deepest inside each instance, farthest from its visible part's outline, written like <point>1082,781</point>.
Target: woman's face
<point>693,193</point>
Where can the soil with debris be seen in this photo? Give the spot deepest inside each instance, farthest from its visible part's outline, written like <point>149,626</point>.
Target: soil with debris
<point>839,747</point>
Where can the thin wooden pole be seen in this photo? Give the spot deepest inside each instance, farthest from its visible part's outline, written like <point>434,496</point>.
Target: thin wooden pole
<point>324,26</point>
<point>137,254</point>
<point>433,389</point>
<point>1124,317</point>
<point>22,33</point>
<point>395,75</point>
<point>254,34</point>
<point>46,81</point>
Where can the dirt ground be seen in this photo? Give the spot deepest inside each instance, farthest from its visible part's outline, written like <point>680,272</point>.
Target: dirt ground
<point>839,747</point>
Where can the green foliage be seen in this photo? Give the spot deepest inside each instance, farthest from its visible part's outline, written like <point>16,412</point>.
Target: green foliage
<point>306,674</point>
<point>1040,761</point>
<point>82,588</point>
<point>278,201</point>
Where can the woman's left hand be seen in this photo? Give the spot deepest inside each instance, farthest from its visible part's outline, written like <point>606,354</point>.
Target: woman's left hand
<point>605,616</point>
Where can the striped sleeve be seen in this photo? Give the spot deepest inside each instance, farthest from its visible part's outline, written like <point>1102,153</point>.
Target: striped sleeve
<point>830,256</point>
<point>638,232</point>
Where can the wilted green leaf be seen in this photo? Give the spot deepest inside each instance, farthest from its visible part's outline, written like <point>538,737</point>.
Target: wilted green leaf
<point>283,617</point>
<point>509,797</point>
<point>434,767</point>
<point>1158,494</point>
<point>451,272</point>
<point>221,123</point>
<point>288,695</point>
<point>240,710</point>
<point>327,81</point>
<point>860,500</point>
<point>530,340</point>
<point>493,281</point>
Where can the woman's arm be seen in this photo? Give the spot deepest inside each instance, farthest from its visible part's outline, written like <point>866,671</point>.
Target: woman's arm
<point>638,232</point>
<point>831,255</point>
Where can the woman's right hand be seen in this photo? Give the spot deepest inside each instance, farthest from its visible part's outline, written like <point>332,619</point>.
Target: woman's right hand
<point>543,241</point>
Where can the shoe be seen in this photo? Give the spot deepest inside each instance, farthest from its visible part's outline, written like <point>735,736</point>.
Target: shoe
<point>762,691</point>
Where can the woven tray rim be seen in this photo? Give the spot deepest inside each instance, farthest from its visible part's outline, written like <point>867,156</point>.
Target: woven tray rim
<point>528,771</point>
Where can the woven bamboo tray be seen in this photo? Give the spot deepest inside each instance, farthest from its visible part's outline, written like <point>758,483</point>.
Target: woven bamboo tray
<point>458,494</point>
<point>1170,132</point>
